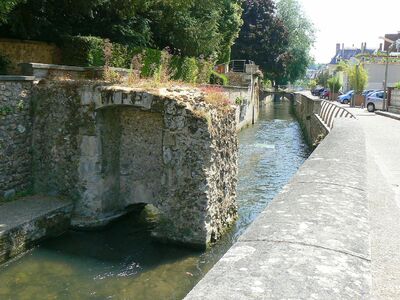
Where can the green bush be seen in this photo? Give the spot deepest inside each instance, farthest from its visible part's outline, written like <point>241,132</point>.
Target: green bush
<point>189,70</point>
<point>334,84</point>
<point>151,62</point>
<point>88,51</point>
<point>397,85</point>
<point>205,69</point>
<point>83,51</point>
<point>217,78</point>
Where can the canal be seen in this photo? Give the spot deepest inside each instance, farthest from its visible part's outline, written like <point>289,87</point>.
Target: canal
<point>122,262</point>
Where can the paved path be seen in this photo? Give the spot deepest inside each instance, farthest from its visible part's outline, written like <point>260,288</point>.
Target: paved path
<point>383,166</point>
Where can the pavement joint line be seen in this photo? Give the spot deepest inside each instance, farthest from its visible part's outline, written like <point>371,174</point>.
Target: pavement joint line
<point>309,245</point>
<point>335,184</point>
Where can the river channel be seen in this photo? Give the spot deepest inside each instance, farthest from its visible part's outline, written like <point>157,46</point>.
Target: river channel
<point>122,262</point>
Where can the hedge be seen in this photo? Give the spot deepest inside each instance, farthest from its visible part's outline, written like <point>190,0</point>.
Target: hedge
<point>88,51</point>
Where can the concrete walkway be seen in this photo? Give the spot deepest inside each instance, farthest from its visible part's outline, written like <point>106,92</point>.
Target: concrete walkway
<point>383,150</point>
<point>332,233</point>
<point>28,220</point>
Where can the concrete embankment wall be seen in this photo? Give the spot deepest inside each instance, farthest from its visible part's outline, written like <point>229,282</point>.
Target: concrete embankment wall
<point>306,109</point>
<point>312,242</point>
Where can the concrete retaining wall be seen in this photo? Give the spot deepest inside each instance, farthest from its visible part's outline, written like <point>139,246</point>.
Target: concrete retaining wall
<point>247,100</point>
<point>313,241</point>
<point>307,109</point>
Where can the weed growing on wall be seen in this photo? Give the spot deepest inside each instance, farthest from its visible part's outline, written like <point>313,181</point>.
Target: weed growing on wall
<point>215,96</point>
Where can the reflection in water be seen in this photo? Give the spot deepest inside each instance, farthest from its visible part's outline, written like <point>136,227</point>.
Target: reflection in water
<point>123,262</point>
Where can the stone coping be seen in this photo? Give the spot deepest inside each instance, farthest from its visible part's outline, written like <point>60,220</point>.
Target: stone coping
<point>312,242</point>
<point>16,78</point>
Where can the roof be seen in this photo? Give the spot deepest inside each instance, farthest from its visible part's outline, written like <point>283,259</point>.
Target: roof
<point>347,53</point>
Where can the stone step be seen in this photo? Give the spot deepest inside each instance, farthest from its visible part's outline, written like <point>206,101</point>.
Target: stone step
<point>25,221</point>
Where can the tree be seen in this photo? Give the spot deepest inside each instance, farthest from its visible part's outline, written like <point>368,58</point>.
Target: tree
<point>6,6</point>
<point>195,27</point>
<point>263,38</point>
<point>358,78</point>
<point>300,39</point>
<point>206,27</point>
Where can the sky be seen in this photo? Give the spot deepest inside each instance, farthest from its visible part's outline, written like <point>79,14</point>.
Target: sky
<point>351,22</point>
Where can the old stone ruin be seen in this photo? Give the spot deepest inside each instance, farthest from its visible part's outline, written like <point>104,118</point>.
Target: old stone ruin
<point>109,148</point>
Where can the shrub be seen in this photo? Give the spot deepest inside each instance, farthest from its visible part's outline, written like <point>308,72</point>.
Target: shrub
<point>4,64</point>
<point>334,84</point>
<point>358,78</point>
<point>205,68</point>
<point>151,62</point>
<point>84,51</point>
<point>217,78</point>
<point>397,85</point>
<point>189,70</point>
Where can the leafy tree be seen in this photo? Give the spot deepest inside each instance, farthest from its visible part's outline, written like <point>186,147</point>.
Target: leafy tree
<point>6,6</point>
<point>206,27</point>
<point>358,78</point>
<point>300,39</point>
<point>263,38</point>
<point>195,27</point>
<point>334,84</point>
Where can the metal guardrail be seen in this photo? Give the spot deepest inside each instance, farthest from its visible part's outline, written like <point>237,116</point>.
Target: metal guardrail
<point>330,111</point>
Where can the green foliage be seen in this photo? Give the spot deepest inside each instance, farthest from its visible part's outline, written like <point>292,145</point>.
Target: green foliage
<point>193,27</point>
<point>90,51</point>
<point>205,68</point>
<point>6,6</point>
<point>239,100</point>
<point>190,70</point>
<point>263,38</point>
<point>312,84</point>
<point>334,84</point>
<point>322,78</point>
<point>5,110</point>
<point>358,78</point>
<point>83,51</point>
<point>300,40</point>
<point>217,78</point>
<point>4,64</point>
<point>151,62</point>
<point>397,85</point>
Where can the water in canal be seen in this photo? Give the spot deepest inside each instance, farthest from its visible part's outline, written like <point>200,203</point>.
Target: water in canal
<point>122,262</point>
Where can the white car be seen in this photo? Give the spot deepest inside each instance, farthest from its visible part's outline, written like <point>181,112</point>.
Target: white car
<point>374,101</point>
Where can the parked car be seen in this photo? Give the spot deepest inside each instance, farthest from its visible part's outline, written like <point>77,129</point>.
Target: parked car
<point>374,101</point>
<point>365,93</point>
<point>317,91</point>
<point>346,98</point>
<point>324,94</point>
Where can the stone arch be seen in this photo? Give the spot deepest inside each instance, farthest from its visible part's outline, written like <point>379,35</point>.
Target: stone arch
<point>155,149</point>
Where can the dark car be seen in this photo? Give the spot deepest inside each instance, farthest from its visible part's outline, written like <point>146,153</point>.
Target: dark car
<point>317,91</point>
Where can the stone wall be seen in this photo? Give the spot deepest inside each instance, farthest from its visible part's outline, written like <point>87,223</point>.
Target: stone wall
<point>19,51</point>
<point>108,148</point>
<point>15,135</point>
